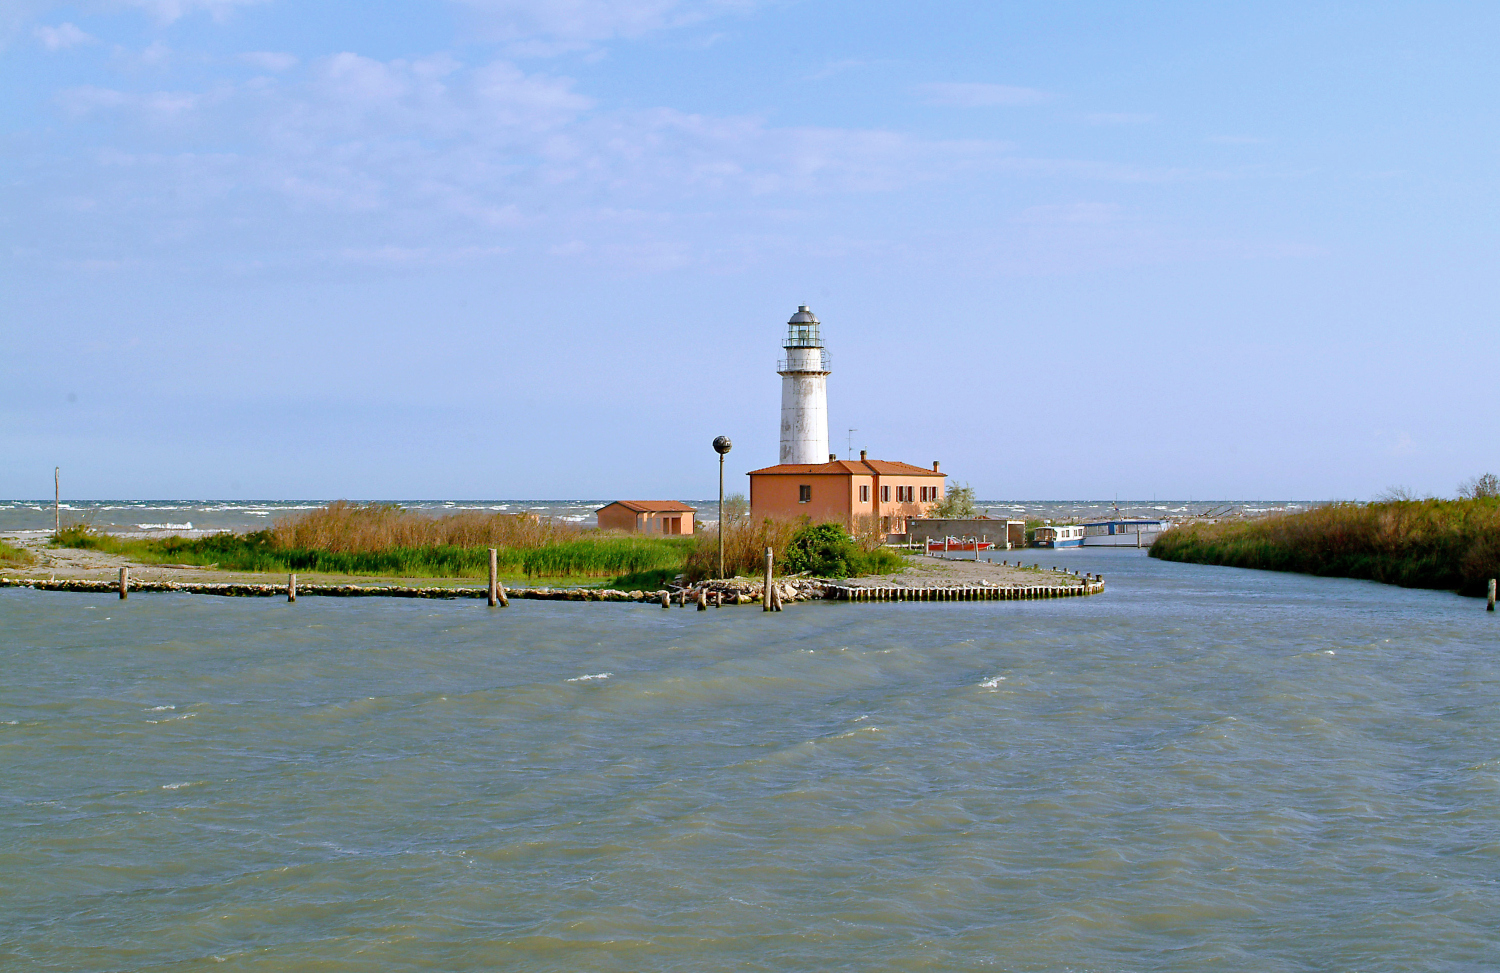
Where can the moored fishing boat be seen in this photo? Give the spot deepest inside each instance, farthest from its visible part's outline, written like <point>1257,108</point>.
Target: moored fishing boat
<point>1060,536</point>
<point>1131,532</point>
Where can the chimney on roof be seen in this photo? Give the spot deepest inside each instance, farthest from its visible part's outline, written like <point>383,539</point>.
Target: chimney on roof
<point>861,456</point>
<point>934,466</point>
<point>833,457</point>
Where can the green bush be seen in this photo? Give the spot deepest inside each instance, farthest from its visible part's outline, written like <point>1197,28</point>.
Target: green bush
<point>824,550</point>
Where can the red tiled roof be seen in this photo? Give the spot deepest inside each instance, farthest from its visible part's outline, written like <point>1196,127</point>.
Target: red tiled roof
<point>651,506</point>
<point>840,467</point>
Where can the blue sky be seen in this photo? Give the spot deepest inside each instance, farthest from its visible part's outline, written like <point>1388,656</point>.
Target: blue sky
<point>514,248</point>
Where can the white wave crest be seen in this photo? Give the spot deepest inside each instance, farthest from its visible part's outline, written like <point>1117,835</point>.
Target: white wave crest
<point>992,683</point>
<point>590,678</point>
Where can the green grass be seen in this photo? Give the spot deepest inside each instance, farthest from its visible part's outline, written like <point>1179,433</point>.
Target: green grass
<point>1448,544</point>
<point>595,557</point>
<point>14,555</point>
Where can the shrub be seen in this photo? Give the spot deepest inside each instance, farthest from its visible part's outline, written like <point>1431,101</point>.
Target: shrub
<point>14,555</point>
<point>824,550</point>
<point>1487,485</point>
<point>957,503</point>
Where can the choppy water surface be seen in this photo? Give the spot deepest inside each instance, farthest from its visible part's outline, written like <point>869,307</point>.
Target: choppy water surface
<point>1201,769</point>
<point>242,515</point>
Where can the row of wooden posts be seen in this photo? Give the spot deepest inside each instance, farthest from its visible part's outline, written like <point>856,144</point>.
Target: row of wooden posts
<point>771,600</point>
<point>969,593</point>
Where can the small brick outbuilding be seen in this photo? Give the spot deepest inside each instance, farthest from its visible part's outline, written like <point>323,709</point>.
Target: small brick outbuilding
<point>647,517</point>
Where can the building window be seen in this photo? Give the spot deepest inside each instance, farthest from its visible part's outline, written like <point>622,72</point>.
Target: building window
<point>864,493</point>
<point>926,494</point>
<point>804,493</point>
<point>905,494</point>
<point>885,524</point>
<point>885,494</point>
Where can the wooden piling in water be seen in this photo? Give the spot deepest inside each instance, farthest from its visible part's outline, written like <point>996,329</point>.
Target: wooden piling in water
<point>124,582</point>
<point>765,598</point>
<point>1490,606</point>
<point>702,600</point>
<point>666,599</point>
<point>494,598</point>
<point>291,587</point>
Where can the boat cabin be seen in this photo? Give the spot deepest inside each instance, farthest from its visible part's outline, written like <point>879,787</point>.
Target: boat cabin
<point>1062,535</point>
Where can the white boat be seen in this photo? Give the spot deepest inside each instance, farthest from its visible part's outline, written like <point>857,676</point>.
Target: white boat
<point>1130,532</point>
<point>1065,535</point>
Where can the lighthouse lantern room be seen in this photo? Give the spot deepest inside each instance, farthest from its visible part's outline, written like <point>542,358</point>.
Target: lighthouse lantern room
<point>804,391</point>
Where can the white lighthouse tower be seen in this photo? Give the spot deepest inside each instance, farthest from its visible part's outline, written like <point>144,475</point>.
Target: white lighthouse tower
<point>804,392</point>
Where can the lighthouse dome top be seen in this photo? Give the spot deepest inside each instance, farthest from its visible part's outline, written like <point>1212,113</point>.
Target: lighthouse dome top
<point>802,330</point>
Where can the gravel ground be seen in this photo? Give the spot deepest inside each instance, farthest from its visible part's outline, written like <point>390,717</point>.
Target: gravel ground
<point>936,572</point>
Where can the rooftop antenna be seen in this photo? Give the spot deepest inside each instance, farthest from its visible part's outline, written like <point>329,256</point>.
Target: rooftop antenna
<point>850,446</point>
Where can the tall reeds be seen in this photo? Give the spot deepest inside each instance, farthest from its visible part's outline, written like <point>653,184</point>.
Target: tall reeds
<point>344,527</point>
<point>14,555</point>
<point>745,543</point>
<point>1451,544</point>
<point>746,540</point>
<point>381,539</point>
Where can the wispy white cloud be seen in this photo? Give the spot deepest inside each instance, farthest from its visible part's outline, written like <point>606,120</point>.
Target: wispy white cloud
<point>1070,213</point>
<point>269,60</point>
<point>976,95</point>
<point>168,11</point>
<point>832,68</point>
<point>157,105</point>
<point>400,162</point>
<point>62,37</point>
<point>1119,118</point>
<point>565,23</point>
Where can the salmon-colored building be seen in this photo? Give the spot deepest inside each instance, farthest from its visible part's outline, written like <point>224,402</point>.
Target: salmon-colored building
<point>845,490</point>
<point>647,517</point>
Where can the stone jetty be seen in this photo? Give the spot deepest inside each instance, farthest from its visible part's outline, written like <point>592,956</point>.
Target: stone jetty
<point>713,593</point>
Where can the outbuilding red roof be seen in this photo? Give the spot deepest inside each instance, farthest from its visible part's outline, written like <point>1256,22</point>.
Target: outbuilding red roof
<point>839,467</point>
<point>651,506</point>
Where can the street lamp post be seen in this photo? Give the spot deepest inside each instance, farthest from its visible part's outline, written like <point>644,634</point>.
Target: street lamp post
<point>722,445</point>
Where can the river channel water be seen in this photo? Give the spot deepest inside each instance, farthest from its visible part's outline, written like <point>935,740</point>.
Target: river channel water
<point>1201,769</point>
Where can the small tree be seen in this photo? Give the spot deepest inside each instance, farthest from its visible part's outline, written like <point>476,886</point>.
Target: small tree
<point>957,504</point>
<point>1480,487</point>
<point>824,550</point>
<point>736,508</point>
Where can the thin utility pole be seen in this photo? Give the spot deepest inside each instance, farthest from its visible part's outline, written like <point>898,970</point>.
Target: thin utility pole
<point>721,515</point>
<point>57,500</point>
<point>722,445</point>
